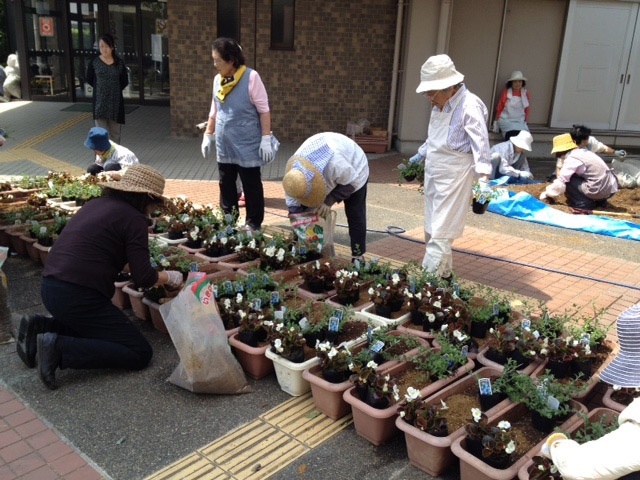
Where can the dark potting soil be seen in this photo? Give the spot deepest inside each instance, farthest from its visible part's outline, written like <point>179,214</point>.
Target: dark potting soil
<point>624,397</point>
<point>411,378</point>
<point>600,357</point>
<point>398,348</point>
<point>458,412</point>
<point>526,437</point>
<point>420,328</point>
<point>364,297</point>
<point>309,353</point>
<point>352,330</point>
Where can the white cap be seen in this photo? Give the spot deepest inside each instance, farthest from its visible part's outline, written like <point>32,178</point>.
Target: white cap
<point>522,140</point>
<point>438,73</point>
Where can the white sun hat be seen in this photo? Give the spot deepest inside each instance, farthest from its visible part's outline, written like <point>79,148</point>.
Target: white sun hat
<point>438,73</point>
<point>522,140</point>
<point>624,369</point>
<point>517,75</point>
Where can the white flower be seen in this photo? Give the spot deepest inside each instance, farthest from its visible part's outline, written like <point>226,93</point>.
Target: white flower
<point>504,425</point>
<point>370,291</point>
<point>532,352</point>
<point>396,393</point>
<point>267,323</point>
<point>279,327</point>
<point>224,240</point>
<point>252,243</point>
<point>431,317</point>
<point>317,265</point>
<point>457,315</point>
<point>553,469</point>
<point>477,414</point>
<point>387,377</point>
<point>280,255</point>
<point>437,304</point>
<point>428,293</point>
<point>491,330</point>
<point>165,263</point>
<point>351,365</point>
<point>395,278</point>
<point>239,298</point>
<point>270,251</point>
<point>510,448</point>
<point>587,349</point>
<point>227,303</point>
<point>292,329</point>
<point>241,313</point>
<point>194,234</point>
<point>278,345</point>
<point>444,327</point>
<point>238,248</point>
<point>323,347</point>
<point>443,405</point>
<point>332,353</point>
<point>543,351</point>
<point>419,295</point>
<point>372,364</point>
<point>461,337</point>
<point>617,387</point>
<point>412,394</point>
<point>402,414</point>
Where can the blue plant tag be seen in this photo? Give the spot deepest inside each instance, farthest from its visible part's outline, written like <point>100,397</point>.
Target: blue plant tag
<point>356,264</point>
<point>215,291</point>
<point>257,304</point>
<point>484,385</point>
<point>526,324</point>
<point>265,279</point>
<point>334,324</point>
<point>275,297</point>
<point>251,278</point>
<point>293,251</point>
<point>303,250</point>
<point>553,403</point>
<point>374,260</point>
<point>585,340</point>
<point>376,347</point>
<point>250,234</point>
<point>465,350</point>
<point>412,287</point>
<point>456,289</point>
<point>304,324</point>
<point>369,333</point>
<point>228,286</point>
<point>239,287</point>
<point>496,309</point>
<point>153,262</point>
<point>162,259</point>
<point>193,267</point>
<point>338,314</point>
<point>228,218</point>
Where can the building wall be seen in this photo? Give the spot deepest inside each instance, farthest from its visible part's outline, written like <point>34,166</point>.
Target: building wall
<point>340,70</point>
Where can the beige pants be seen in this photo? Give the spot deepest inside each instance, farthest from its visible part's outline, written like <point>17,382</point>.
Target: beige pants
<point>438,257</point>
<point>112,127</point>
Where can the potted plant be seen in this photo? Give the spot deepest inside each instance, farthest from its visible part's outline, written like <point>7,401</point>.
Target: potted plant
<point>318,276</point>
<point>618,398</point>
<point>410,171</point>
<point>219,245</point>
<point>481,198</point>
<point>250,344</point>
<point>509,342</point>
<point>248,246</point>
<point>388,298</point>
<point>347,286</point>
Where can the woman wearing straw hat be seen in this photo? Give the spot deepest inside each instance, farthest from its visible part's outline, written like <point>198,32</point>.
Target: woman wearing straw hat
<point>615,455</point>
<point>512,112</point>
<point>584,178</point>
<point>329,168</point>
<point>456,151</point>
<point>240,126</point>
<point>509,158</point>
<point>87,331</point>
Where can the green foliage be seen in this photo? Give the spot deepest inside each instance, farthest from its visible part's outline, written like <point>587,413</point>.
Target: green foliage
<point>594,430</point>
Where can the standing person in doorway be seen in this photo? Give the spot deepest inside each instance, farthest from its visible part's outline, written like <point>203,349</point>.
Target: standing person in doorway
<point>456,152</point>
<point>240,125</point>
<point>512,112</point>
<point>107,74</point>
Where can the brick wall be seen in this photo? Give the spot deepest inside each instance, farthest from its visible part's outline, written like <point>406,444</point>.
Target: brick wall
<point>340,69</point>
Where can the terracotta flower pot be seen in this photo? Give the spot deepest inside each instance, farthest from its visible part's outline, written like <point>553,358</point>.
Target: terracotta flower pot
<point>611,403</point>
<point>327,396</point>
<point>43,252</point>
<point>30,247</point>
<point>378,425</point>
<point>17,243</point>
<point>253,359</point>
<point>405,327</point>
<point>140,309</point>
<point>433,454</point>
<point>154,313</point>
<point>234,263</point>
<point>202,256</point>
<point>120,299</point>
<point>473,468</point>
<point>191,248</point>
<point>483,360</point>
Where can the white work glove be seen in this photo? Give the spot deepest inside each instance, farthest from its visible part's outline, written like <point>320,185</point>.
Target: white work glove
<point>620,153</point>
<point>266,150</point>
<point>545,451</point>
<point>526,175</point>
<point>175,279</point>
<point>495,156</point>
<point>323,210</point>
<point>207,144</point>
<point>495,127</point>
<point>416,158</point>
<point>543,195</point>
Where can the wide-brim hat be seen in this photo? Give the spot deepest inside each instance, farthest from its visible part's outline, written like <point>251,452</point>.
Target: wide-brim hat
<point>624,369</point>
<point>563,143</point>
<point>139,179</point>
<point>438,73</point>
<point>98,139</point>
<point>517,75</point>
<point>522,140</point>
<point>303,182</point>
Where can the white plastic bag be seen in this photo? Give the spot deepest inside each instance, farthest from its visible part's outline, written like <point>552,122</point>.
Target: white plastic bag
<point>206,362</point>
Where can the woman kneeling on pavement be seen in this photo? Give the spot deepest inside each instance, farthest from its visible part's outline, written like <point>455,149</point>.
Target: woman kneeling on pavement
<point>87,331</point>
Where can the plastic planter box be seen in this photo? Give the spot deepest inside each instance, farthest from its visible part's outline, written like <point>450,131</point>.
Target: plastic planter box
<point>370,312</point>
<point>253,359</point>
<point>289,374</point>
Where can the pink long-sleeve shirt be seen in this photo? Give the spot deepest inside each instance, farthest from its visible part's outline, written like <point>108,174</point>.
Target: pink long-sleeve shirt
<point>257,94</point>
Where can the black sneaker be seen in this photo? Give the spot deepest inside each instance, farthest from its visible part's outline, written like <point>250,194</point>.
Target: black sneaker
<point>30,327</point>
<point>49,358</point>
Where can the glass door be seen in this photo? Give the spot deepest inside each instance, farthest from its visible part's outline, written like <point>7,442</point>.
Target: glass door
<point>83,26</point>
<point>155,50</point>
<point>123,26</point>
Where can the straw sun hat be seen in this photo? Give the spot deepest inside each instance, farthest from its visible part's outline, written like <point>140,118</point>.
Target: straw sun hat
<point>303,182</point>
<point>438,73</point>
<point>624,369</point>
<point>563,143</point>
<point>140,179</point>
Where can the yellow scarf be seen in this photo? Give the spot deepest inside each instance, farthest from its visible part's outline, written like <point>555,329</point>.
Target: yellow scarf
<point>227,83</point>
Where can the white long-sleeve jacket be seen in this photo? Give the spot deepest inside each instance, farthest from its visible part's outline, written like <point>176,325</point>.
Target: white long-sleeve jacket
<point>610,457</point>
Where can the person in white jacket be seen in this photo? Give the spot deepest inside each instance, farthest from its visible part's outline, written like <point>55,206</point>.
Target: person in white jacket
<point>329,168</point>
<point>616,454</point>
<point>509,158</point>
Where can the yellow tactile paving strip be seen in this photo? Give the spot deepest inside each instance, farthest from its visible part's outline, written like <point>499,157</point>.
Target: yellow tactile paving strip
<point>26,151</point>
<point>260,448</point>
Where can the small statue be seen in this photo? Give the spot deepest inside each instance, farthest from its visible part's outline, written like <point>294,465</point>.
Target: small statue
<point>11,85</point>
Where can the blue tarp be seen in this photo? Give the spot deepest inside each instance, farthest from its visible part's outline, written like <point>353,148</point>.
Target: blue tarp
<point>507,180</point>
<point>526,207</point>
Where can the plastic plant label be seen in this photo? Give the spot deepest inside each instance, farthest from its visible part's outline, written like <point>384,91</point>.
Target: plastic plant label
<point>250,234</point>
<point>356,264</point>
<point>303,250</point>
<point>193,267</point>
<point>162,258</point>
<point>228,286</point>
<point>34,222</point>
<point>369,333</point>
<point>43,229</point>
<point>293,251</point>
<point>536,334</point>
<point>185,218</point>
<point>265,279</point>
<point>153,263</point>
<point>275,297</point>
<point>484,385</point>
<point>279,314</point>
<point>50,183</point>
<point>542,391</point>
<point>304,324</point>
<point>586,339</point>
<point>496,309</point>
<point>465,351</point>
<point>378,346</point>
<point>526,324</point>
<point>338,314</point>
<point>252,278</point>
<point>553,403</point>
<point>456,289</point>
<point>257,304</point>
<point>334,324</point>
<point>18,222</point>
<point>412,287</point>
<point>228,218</point>
<point>374,260</point>
<point>439,290</point>
<point>238,287</point>
<point>240,238</point>
<point>215,290</point>
<point>229,230</point>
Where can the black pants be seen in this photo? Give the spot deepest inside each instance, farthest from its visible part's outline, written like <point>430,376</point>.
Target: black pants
<point>577,199</point>
<point>355,207</point>
<point>95,169</point>
<point>511,133</point>
<point>92,332</point>
<point>251,186</point>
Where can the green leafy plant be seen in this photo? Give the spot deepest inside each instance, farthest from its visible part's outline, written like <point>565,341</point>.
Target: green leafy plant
<point>498,443</point>
<point>428,418</point>
<point>334,358</point>
<point>593,430</point>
